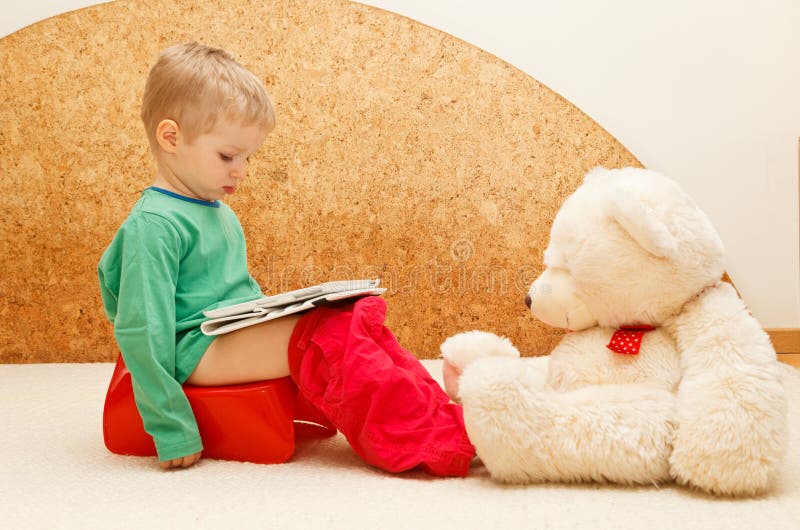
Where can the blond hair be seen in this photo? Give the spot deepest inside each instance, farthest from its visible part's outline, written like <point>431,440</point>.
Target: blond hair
<point>196,85</point>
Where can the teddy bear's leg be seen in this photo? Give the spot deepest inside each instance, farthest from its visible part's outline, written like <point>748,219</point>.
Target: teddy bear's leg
<point>525,432</point>
<point>731,404</point>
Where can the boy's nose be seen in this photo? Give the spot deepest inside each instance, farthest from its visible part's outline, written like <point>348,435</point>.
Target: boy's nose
<point>238,171</point>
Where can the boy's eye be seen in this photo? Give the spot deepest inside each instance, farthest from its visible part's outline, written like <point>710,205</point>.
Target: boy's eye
<point>226,158</point>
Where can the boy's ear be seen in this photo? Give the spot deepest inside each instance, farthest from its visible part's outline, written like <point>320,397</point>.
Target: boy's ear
<point>167,135</point>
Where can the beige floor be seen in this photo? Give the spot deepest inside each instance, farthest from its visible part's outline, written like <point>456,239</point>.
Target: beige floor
<point>56,473</point>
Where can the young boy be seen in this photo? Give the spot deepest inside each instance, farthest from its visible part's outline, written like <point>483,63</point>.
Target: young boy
<point>181,251</point>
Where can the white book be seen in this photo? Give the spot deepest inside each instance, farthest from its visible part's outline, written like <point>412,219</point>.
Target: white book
<point>226,319</point>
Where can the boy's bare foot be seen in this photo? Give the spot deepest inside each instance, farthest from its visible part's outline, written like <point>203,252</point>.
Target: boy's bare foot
<point>450,374</point>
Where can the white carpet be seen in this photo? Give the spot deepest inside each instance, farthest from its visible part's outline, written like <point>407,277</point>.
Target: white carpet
<point>56,473</point>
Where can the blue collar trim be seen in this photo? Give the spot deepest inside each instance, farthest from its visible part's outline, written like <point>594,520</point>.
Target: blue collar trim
<point>214,204</point>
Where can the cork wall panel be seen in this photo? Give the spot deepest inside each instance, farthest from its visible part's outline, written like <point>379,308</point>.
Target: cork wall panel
<point>400,152</point>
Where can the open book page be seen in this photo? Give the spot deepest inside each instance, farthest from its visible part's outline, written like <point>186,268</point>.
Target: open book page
<point>230,318</point>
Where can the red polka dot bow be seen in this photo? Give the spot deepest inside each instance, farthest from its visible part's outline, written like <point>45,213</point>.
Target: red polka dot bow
<point>628,339</point>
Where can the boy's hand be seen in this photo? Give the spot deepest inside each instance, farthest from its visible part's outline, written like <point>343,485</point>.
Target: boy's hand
<point>184,462</point>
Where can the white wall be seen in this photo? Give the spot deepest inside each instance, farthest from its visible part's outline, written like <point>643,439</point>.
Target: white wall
<point>19,14</point>
<point>707,92</point>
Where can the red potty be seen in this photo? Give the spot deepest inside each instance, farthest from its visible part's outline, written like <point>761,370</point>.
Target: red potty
<point>253,422</point>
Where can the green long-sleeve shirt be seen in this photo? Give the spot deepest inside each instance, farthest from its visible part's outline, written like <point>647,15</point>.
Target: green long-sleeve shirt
<point>171,259</point>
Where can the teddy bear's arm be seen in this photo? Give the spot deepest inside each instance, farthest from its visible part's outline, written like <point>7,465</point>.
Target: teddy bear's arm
<point>731,404</point>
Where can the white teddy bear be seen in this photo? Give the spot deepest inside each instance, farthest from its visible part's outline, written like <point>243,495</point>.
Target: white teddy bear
<point>665,374</point>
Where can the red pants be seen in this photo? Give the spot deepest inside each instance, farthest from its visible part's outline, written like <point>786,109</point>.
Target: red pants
<point>349,367</point>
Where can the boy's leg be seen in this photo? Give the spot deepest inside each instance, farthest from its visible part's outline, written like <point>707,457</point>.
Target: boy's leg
<point>257,353</point>
<point>348,364</point>
<point>250,354</point>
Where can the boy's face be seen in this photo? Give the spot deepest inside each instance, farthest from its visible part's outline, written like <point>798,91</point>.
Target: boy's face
<point>213,164</point>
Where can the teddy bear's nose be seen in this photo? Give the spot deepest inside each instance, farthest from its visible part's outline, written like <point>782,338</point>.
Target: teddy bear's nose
<point>528,300</point>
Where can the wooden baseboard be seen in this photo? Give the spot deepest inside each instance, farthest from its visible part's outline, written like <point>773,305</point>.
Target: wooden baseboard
<point>790,358</point>
<point>785,340</point>
<point>787,344</point>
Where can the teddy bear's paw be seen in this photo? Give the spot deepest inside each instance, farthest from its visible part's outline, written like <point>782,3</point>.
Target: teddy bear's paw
<point>465,349</point>
<point>462,349</point>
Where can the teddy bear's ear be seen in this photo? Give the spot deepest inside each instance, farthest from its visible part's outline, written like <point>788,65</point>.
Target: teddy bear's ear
<point>597,173</point>
<point>642,224</point>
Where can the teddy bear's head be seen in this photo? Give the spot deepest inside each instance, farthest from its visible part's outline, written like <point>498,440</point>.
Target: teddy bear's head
<point>628,247</point>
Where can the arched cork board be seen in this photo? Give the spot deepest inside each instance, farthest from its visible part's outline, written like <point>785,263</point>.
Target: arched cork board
<point>400,152</point>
